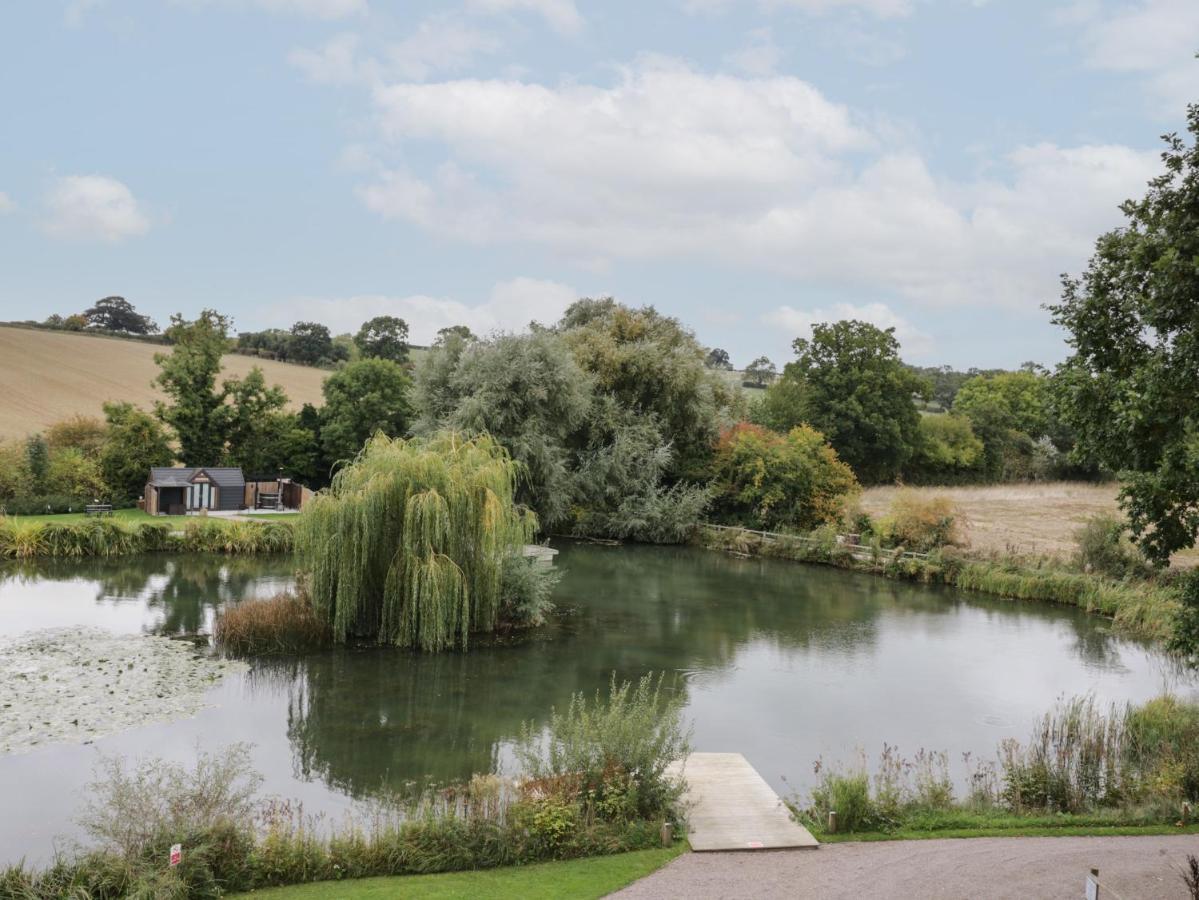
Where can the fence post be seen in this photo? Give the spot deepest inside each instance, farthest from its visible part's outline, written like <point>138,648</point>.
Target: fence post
<point>1093,885</point>
<point>832,821</point>
<point>667,834</point>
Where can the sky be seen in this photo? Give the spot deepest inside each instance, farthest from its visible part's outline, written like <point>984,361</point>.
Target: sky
<point>749,166</point>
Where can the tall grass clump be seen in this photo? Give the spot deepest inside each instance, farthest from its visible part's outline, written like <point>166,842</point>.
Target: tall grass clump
<point>408,545</point>
<point>21,540</point>
<point>204,535</point>
<point>281,624</point>
<point>613,752</point>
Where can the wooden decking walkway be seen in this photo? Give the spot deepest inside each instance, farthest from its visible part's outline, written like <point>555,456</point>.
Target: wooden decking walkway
<point>731,807</point>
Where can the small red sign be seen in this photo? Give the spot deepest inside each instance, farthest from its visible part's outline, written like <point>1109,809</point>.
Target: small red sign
<point>176,854</point>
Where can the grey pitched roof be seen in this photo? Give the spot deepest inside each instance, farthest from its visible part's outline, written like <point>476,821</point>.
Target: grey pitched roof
<point>182,476</point>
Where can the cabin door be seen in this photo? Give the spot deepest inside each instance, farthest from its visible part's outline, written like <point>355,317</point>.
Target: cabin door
<point>199,496</point>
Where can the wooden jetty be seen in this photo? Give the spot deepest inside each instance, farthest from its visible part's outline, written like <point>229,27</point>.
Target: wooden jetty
<point>731,807</point>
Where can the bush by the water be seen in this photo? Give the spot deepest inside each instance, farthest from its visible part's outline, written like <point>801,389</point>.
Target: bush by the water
<point>922,523</point>
<point>612,754</point>
<point>1104,547</point>
<point>1130,765</point>
<point>284,623</point>
<point>232,841</point>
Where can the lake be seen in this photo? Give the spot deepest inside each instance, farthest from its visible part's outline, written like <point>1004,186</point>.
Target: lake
<point>780,661</point>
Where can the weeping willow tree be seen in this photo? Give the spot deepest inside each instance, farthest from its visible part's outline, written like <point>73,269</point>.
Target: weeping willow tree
<point>409,544</point>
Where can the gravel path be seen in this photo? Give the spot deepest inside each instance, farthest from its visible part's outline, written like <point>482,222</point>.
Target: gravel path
<point>1144,868</point>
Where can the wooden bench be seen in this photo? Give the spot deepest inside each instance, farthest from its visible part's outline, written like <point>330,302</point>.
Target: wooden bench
<point>98,509</point>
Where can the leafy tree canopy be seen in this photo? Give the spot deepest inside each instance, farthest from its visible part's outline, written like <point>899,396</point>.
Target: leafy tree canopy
<point>761,371</point>
<point>383,337</point>
<point>1129,388</point>
<point>118,314</point>
<point>136,442</point>
<point>718,359</point>
<point>365,397</point>
<point>849,383</point>
<point>454,331</point>
<point>188,376</point>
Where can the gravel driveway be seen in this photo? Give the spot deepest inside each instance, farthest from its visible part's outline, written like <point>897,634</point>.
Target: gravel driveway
<point>1144,868</point>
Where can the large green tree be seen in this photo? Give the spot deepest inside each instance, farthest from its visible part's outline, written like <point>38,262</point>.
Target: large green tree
<point>1128,390</point>
<point>118,314</point>
<point>849,383</point>
<point>383,337</point>
<point>365,397</point>
<point>135,442</point>
<point>1008,411</point>
<point>252,417</point>
<point>188,376</point>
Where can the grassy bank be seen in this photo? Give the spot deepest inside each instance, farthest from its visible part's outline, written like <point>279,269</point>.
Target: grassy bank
<point>32,538</point>
<point>1139,605</point>
<point>128,516</point>
<point>583,879</point>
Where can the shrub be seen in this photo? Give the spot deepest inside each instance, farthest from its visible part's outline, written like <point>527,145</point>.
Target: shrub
<point>525,590</point>
<point>281,624</point>
<point>775,482</point>
<point>1104,547</point>
<point>1184,632</point>
<point>947,452</point>
<point>612,753</point>
<point>920,522</point>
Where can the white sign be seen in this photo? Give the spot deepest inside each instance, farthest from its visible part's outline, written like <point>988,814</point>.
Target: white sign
<point>176,854</point>
<point>1092,887</point>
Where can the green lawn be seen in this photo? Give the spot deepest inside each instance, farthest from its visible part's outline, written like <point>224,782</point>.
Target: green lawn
<point>125,515</point>
<point>268,516</point>
<point>583,878</point>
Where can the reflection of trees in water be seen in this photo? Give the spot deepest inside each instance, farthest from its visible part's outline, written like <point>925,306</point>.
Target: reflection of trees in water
<point>186,588</point>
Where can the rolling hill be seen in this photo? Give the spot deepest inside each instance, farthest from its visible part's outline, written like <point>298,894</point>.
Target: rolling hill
<point>47,376</point>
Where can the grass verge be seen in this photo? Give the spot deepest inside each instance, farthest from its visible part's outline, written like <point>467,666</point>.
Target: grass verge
<point>1013,831</point>
<point>124,515</point>
<point>581,878</point>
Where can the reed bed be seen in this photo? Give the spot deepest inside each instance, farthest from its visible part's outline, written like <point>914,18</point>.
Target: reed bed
<point>284,623</point>
<point>111,537</point>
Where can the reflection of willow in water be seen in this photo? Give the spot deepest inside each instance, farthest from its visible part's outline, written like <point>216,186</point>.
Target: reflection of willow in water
<point>187,588</point>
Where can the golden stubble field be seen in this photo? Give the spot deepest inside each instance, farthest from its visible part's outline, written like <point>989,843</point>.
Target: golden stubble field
<point>1033,518</point>
<point>47,376</point>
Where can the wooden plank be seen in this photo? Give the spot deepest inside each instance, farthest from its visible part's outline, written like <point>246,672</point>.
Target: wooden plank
<point>731,807</point>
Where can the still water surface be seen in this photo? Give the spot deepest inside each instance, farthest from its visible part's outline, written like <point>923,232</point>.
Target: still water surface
<point>782,662</point>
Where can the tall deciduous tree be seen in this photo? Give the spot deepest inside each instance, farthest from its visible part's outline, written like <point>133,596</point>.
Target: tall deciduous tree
<point>135,442</point>
<point>849,383</point>
<point>383,337</point>
<point>761,371</point>
<point>250,422</point>
<point>366,397</point>
<point>718,358</point>
<point>188,377</point>
<point>1129,388</point>
<point>118,314</point>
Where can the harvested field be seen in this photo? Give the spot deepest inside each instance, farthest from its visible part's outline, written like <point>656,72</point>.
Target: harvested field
<point>47,376</point>
<point>1031,518</point>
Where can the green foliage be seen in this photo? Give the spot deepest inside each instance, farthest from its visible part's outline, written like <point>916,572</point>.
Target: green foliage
<point>83,433</point>
<point>948,451</point>
<point>113,537</point>
<point>718,358</point>
<point>526,587</point>
<point>280,624</point>
<point>188,377</point>
<point>850,385</point>
<point>408,545</point>
<point>71,473</point>
<point>135,443</point>
<point>1184,639</point>
<point>311,344</point>
<point>613,752</point>
<point>15,479</point>
<point>654,367</point>
<point>775,482</point>
<point>528,393</point>
<point>37,462</point>
<point>1128,389</point>
<point>117,314</point>
<point>760,372</point>
<point>365,397</point>
<point>383,337</point>
<point>1103,547</point>
<point>251,419</point>
<point>1008,411</point>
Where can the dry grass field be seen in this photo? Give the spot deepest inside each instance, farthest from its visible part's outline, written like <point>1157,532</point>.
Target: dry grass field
<point>47,376</point>
<point>1033,518</point>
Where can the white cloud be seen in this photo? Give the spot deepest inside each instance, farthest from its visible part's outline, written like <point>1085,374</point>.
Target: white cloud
<point>440,43</point>
<point>336,62</point>
<point>93,207</point>
<point>884,9</point>
<point>7,204</point>
<point>314,9</point>
<point>765,172</point>
<point>562,15</point>
<point>760,55</point>
<point>798,323</point>
<point>511,306</point>
<point>1154,38</point>
<point>77,10</point>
